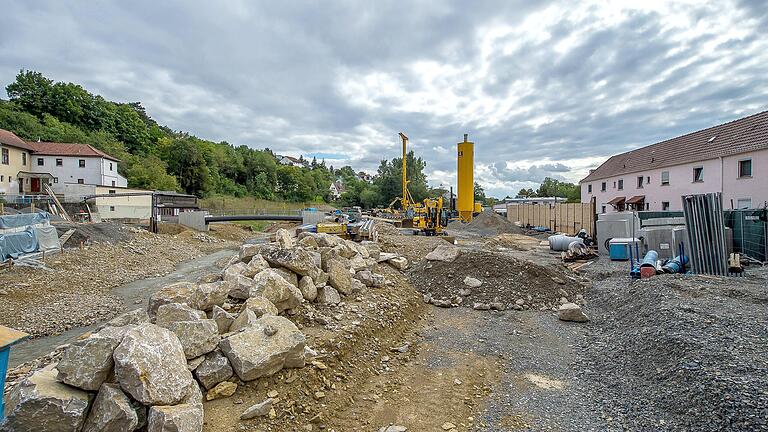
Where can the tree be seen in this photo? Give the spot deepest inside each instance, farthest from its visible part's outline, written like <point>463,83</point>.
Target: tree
<point>555,188</point>
<point>479,193</point>
<point>188,165</point>
<point>389,178</point>
<point>31,91</point>
<point>150,173</point>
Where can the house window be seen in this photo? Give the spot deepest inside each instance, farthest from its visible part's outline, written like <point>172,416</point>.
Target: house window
<point>81,163</point>
<point>2,178</point>
<point>621,184</point>
<point>5,157</point>
<point>24,159</point>
<point>744,203</point>
<point>110,166</point>
<point>664,205</point>
<point>59,162</point>
<point>698,174</point>
<point>745,168</point>
<point>603,210</point>
<point>112,191</point>
<point>113,183</point>
<point>40,161</point>
<point>55,179</point>
<point>647,206</point>
<point>111,208</point>
<point>589,188</point>
<point>665,178</point>
<point>603,187</point>
<point>640,180</point>
<point>80,181</point>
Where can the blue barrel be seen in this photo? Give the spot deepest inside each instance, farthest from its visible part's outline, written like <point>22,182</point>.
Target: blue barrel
<point>649,260</point>
<point>676,264</point>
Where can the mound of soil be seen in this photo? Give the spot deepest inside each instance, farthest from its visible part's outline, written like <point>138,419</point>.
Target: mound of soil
<point>92,233</point>
<point>487,223</point>
<point>505,279</point>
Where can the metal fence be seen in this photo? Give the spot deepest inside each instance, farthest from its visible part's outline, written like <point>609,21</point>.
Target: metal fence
<point>750,232</point>
<point>704,222</point>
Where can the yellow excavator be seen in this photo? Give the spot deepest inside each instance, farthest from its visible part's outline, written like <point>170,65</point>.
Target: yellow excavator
<point>428,215</point>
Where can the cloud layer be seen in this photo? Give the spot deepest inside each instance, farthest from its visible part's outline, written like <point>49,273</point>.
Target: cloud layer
<point>543,88</point>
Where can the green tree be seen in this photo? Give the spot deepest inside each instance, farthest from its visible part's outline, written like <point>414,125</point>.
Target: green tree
<point>188,164</point>
<point>150,173</point>
<point>31,91</point>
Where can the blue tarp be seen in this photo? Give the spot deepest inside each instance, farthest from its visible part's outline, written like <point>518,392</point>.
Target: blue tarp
<point>24,219</point>
<point>15,244</point>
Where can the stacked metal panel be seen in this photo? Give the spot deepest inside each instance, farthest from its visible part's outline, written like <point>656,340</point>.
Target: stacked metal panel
<point>706,233</point>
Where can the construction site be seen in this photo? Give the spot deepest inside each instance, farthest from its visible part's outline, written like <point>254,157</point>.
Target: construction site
<point>424,316</point>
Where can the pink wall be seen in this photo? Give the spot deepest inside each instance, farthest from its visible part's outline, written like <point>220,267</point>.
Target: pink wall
<point>681,183</point>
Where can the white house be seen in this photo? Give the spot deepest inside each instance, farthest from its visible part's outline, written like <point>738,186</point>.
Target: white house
<point>291,161</point>
<point>75,163</point>
<point>730,158</point>
<point>337,188</point>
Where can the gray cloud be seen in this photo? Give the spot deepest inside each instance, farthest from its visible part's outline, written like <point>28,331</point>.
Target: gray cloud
<point>545,88</point>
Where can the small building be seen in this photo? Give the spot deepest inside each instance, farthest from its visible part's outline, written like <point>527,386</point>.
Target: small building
<point>336,189</point>
<point>364,176</point>
<point>731,158</point>
<point>291,161</point>
<point>74,163</point>
<point>14,159</point>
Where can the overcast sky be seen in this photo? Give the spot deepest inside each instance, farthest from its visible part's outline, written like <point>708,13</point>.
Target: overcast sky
<point>543,88</point>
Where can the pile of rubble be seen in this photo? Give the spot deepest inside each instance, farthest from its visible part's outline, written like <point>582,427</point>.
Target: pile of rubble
<point>152,369</point>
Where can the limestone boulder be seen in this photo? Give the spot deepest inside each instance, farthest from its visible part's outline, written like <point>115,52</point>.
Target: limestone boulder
<point>246,319</point>
<point>248,251</point>
<point>40,403</point>
<point>242,287</point>
<point>339,276</point>
<point>365,276</point>
<point>196,337</point>
<point>151,367</point>
<point>176,418</point>
<point>328,295</point>
<point>444,253</point>
<point>284,238</point>
<point>179,292</point>
<point>170,313</point>
<point>571,312</point>
<point>373,249</point>
<point>254,266</point>
<point>297,260</point>
<point>321,279</point>
<point>308,288</point>
<point>207,295</point>
<point>111,411</point>
<point>209,278</point>
<point>261,306</point>
<point>288,275</point>
<point>400,263</point>
<point>134,317</point>
<point>231,273</point>
<point>223,319</point>
<point>268,346</point>
<point>346,249</point>
<point>273,287</point>
<point>308,242</point>
<point>357,286</point>
<point>87,363</point>
<point>327,240</point>
<point>214,369</point>
<point>221,390</point>
<point>358,263</point>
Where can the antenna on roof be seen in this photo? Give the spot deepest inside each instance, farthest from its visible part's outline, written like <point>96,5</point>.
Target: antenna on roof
<point>712,139</point>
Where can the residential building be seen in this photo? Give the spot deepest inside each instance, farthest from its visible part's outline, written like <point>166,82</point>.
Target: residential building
<point>291,161</point>
<point>14,160</point>
<point>730,158</point>
<point>364,176</point>
<point>75,163</point>
<point>337,188</point>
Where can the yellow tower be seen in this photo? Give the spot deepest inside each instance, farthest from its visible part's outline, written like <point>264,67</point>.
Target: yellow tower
<point>465,200</point>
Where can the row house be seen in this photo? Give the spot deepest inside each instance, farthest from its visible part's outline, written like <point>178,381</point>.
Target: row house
<point>730,158</point>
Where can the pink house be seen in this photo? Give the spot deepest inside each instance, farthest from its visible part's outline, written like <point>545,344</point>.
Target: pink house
<point>731,158</point>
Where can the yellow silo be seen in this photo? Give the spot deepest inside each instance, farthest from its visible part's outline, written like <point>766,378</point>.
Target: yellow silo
<point>465,200</point>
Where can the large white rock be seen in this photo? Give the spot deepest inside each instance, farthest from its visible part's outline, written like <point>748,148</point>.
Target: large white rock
<point>248,251</point>
<point>214,369</point>
<point>197,337</point>
<point>176,418</point>
<point>445,253</point>
<point>271,344</point>
<point>273,287</point>
<point>111,411</point>
<point>284,238</point>
<point>571,312</point>
<point>87,363</point>
<point>373,249</point>
<point>327,240</point>
<point>207,295</point>
<point>261,306</point>
<point>179,292</point>
<point>151,366</point>
<point>288,275</point>
<point>230,274</point>
<point>42,404</point>
<point>400,263</point>
<point>328,295</point>
<point>246,319</point>
<point>308,288</point>
<point>136,316</point>
<point>223,319</point>
<point>171,313</point>
<point>242,287</point>
<point>296,260</point>
<point>257,264</point>
<point>338,274</point>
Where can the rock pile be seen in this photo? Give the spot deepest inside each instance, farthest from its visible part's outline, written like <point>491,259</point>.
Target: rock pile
<point>149,369</point>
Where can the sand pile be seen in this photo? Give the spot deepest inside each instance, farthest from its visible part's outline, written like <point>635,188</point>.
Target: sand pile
<point>487,223</point>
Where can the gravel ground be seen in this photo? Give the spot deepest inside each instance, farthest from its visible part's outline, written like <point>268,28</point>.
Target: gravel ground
<point>678,352</point>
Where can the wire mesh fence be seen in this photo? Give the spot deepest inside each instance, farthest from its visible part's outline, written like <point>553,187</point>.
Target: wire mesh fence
<point>750,232</point>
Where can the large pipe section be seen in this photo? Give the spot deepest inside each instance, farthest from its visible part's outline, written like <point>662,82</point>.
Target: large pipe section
<point>466,180</point>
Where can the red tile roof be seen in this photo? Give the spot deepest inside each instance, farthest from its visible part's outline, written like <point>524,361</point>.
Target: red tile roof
<point>739,136</point>
<point>67,149</point>
<point>10,139</point>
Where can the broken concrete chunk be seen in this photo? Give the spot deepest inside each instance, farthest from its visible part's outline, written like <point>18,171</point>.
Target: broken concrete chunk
<point>207,295</point>
<point>259,410</point>
<point>171,313</point>
<point>111,411</point>
<point>151,366</point>
<point>444,253</point>
<point>176,418</point>
<point>472,282</point>
<point>571,312</point>
<point>223,319</point>
<point>308,288</point>
<point>87,363</point>
<point>179,292</point>
<point>328,295</point>
<point>39,403</point>
<point>197,337</point>
<point>271,344</point>
<point>214,369</point>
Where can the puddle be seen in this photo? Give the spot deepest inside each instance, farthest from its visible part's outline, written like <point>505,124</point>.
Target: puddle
<point>134,295</point>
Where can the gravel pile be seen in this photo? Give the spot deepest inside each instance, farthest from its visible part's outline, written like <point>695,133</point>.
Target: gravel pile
<point>679,352</point>
<point>514,282</point>
<point>487,223</point>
